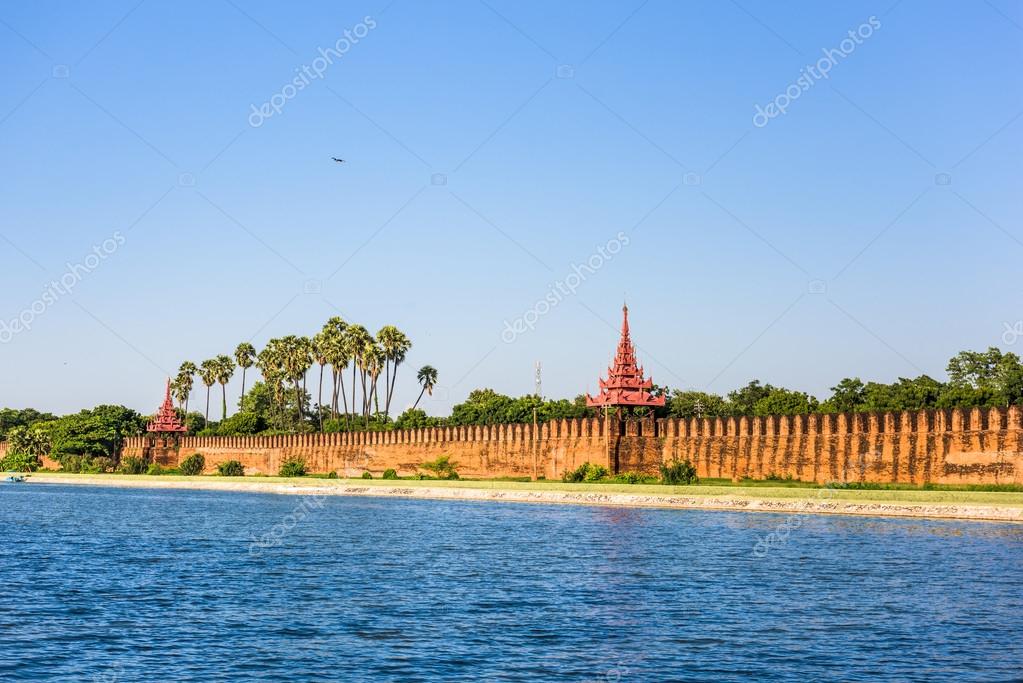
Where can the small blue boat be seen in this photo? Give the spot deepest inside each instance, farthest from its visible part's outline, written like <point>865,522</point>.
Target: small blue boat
<point>13,478</point>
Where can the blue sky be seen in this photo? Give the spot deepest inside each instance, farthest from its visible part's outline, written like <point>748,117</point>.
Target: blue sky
<point>871,230</point>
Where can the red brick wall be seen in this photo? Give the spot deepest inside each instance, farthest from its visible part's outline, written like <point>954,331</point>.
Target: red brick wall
<point>954,446</point>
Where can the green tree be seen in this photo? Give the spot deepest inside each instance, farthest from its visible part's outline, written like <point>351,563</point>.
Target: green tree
<point>241,424</point>
<point>208,374</point>
<point>10,418</point>
<point>335,349</point>
<point>744,401</point>
<point>225,369</point>
<point>427,378</point>
<point>96,432</point>
<point>184,382</point>
<point>904,394</point>
<point>847,396</point>
<point>486,406</point>
<point>780,401</point>
<point>414,419</point>
<point>319,347</point>
<point>999,374</point>
<point>395,346</point>
<point>373,360</point>
<point>245,357</point>
<point>698,404</point>
<point>25,446</point>
<point>356,340</point>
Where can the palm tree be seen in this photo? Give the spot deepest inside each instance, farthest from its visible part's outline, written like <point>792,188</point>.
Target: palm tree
<point>356,338</point>
<point>269,363</point>
<point>335,349</point>
<point>319,354</point>
<point>295,362</point>
<point>373,360</point>
<point>244,356</point>
<point>395,345</point>
<point>183,383</point>
<point>208,375</point>
<point>304,358</point>
<point>225,368</point>
<point>427,377</point>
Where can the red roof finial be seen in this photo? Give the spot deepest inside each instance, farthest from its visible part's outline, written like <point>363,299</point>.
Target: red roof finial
<point>166,419</point>
<point>625,385</point>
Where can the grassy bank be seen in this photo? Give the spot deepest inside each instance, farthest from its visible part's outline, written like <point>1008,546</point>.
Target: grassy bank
<point>760,490</point>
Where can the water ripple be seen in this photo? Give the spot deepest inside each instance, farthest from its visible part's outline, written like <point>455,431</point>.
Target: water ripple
<point>120,585</point>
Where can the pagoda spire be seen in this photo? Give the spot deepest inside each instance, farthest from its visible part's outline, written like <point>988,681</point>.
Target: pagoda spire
<point>166,419</point>
<point>625,384</point>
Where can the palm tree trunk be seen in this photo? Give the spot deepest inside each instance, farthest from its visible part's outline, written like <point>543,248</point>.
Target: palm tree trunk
<point>367,397</point>
<point>208,402</point>
<point>333,392</point>
<point>390,390</point>
<point>243,385</point>
<point>387,385</point>
<point>420,397</point>
<point>298,403</point>
<point>353,387</point>
<point>341,391</point>
<point>223,402</point>
<point>319,404</point>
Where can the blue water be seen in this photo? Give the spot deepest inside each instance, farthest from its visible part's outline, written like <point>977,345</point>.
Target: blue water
<point>106,585</point>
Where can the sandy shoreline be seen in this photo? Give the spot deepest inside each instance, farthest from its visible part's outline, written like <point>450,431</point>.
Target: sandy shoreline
<point>812,501</point>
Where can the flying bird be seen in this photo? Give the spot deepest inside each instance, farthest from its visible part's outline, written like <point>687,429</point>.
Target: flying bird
<point>340,161</point>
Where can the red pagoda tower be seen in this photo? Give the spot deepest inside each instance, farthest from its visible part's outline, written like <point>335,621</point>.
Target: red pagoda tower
<point>625,386</point>
<point>166,420</point>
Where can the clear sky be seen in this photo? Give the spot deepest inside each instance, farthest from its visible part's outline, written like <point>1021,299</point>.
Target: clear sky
<point>872,229</point>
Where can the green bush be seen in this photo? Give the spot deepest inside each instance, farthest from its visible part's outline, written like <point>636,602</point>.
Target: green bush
<point>292,467</point>
<point>133,465</point>
<point>155,469</point>
<point>587,472</point>
<point>86,464</point>
<point>20,462</point>
<point>193,464</point>
<point>98,465</point>
<point>231,468</point>
<point>634,478</point>
<point>390,474</point>
<point>678,472</point>
<point>442,467</point>
<point>367,475</point>
<point>332,475</point>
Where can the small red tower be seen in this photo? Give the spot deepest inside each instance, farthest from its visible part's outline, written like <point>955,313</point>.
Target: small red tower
<point>166,420</point>
<point>625,385</point>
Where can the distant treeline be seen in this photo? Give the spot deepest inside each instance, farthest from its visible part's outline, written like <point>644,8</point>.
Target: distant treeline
<point>975,379</point>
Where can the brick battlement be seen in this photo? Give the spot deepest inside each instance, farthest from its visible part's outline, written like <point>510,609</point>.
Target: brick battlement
<point>929,421</point>
<point>979,445</point>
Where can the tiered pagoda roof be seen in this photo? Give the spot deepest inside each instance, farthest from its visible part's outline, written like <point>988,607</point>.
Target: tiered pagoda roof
<point>166,419</point>
<point>625,385</point>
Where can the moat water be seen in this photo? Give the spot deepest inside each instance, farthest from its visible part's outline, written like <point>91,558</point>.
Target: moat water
<point>107,585</point>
